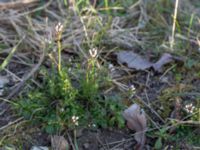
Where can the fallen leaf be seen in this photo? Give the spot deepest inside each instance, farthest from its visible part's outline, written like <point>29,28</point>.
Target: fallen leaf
<point>165,58</point>
<point>136,120</point>
<point>59,143</point>
<point>137,62</point>
<point>133,60</point>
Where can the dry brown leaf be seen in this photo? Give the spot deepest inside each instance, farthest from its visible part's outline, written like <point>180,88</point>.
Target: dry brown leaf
<point>59,143</point>
<point>165,58</point>
<point>137,62</point>
<point>133,60</point>
<point>136,120</point>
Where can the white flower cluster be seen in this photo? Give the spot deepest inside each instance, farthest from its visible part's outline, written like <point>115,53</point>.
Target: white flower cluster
<point>93,52</point>
<point>132,88</point>
<point>75,120</point>
<point>189,108</point>
<point>92,125</point>
<point>59,27</point>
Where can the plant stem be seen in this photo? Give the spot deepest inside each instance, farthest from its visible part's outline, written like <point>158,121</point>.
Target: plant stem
<point>174,24</point>
<point>59,53</point>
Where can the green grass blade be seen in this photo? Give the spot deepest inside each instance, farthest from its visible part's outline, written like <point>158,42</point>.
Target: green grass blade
<point>6,61</point>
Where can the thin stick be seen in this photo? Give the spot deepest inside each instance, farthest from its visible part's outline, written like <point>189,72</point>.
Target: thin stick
<point>21,3</point>
<point>11,123</point>
<point>21,84</point>
<point>70,140</point>
<point>152,110</point>
<point>101,143</point>
<point>28,12</point>
<point>170,68</point>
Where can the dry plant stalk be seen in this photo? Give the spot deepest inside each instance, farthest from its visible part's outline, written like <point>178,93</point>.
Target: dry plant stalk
<point>174,24</point>
<point>18,4</point>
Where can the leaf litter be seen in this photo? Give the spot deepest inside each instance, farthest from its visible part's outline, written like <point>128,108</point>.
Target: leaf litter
<point>136,120</point>
<point>59,143</point>
<point>135,61</point>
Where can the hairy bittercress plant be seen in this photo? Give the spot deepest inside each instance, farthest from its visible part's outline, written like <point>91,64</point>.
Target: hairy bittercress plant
<point>59,105</point>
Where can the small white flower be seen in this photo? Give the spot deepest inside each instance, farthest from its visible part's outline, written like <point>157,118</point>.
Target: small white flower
<point>75,120</point>
<point>189,108</point>
<point>93,52</point>
<point>54,49</point>
<point>46,40</point>
<point>92,125</point>
<point>132,88</point>
<point>59,27</point>
<point>62,110</point>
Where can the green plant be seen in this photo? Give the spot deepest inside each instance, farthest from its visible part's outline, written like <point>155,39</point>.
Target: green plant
<point>59,29</point>
<point>89,82</point>
<point>187,134</point>
<point>106,112</point>
<point>54,105</point>
<point>162,136</point>
<point>59,105</point>
<point>196,111</point>
<point>101,111</point>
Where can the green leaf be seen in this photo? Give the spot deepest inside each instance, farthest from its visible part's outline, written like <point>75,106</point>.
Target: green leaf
<point>190,63</point>
<point>6,61</point>
<point>50,129</point>
<point>158,144</point>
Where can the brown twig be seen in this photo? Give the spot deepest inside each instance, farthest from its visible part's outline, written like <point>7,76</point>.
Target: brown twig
<point>11,123</point>
<point>27,77</point>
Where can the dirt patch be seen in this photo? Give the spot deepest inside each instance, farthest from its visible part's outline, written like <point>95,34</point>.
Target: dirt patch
<point>104,139</point>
